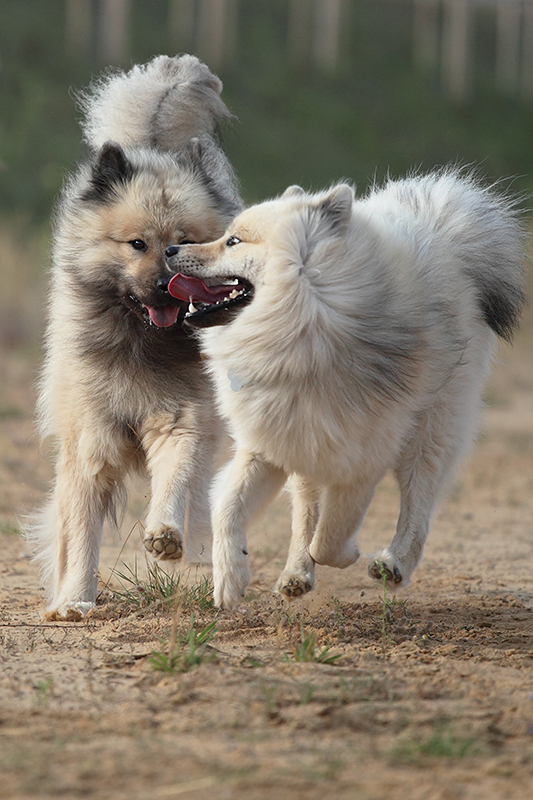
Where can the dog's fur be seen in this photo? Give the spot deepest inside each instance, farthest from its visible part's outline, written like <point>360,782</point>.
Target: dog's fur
<point>123,387</point>
<point>359,343</point>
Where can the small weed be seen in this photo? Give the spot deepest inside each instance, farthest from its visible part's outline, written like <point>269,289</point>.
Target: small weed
<point>392,609</point>
<point>307,691</point>
<point>187,651</point>
<point>44,690</point>
<point>306,650</point>
<point>270,695</point>
<point>338,616</point>
<point>442,744</point>
<point>287,616</point>
<point>9,528</point>
<point>161,588</point>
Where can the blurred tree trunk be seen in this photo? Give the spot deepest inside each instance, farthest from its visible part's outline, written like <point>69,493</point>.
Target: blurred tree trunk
<point>426,34</point>
<point>211,31</point>
<point>526,78</point>
<point>112,30</point>
<point>455,49</point>
<point>327,32</point>
<point>299,31</point>
<point>509,17</point>
<point>181,23</point>
<point>78,28</point>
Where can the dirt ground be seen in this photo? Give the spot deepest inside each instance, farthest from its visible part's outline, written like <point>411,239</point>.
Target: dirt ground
<point>431,699</point>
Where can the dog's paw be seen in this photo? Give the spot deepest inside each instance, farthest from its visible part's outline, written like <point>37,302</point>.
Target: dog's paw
<point>69,611</point>
<point>291,585</point>
<point>383,567</point>
<point>164,543</point>
<point>230,586</point>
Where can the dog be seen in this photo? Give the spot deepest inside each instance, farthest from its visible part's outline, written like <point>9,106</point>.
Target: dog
<point>347,337</point>
<point>123,388</point>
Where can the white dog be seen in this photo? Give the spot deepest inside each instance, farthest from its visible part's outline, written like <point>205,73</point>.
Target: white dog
<point>356,338</point>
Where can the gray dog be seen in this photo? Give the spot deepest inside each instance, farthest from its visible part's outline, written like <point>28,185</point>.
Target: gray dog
<point>123,387</point>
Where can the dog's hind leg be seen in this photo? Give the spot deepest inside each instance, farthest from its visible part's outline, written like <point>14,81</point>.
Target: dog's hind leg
<point>298,576</point>
<point>423,470</point>
<point>241,491</point>
<point>342,510</point>
<point>180,457</point>
<point>71,534</point>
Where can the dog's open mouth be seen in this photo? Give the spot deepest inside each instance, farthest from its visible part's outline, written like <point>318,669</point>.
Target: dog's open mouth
<point>207,302</point>
<point>162,316</point>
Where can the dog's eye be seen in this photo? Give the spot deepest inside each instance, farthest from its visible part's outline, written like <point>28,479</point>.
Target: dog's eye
<point>138,244</point>
<point>233,240</point>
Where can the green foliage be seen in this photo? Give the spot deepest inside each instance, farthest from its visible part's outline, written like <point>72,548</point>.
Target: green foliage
<point>306,650</point>
<point>187,651</point>
<point>161,588</point>
<point>441,744</point>
<point>392,609</point>
<point>43,692</point>
<point>297,124</point>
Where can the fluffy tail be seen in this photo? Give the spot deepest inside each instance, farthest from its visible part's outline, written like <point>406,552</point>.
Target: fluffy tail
<point>160,104</point>
<point>484,228</point>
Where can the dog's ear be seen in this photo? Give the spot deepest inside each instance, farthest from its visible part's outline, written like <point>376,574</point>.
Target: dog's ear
<point>329,216</point>
<point>293,191</point>
<point>110,168</point>
<point>335,209</point>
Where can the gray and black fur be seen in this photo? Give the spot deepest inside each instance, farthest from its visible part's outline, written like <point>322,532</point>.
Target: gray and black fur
<point>123,387</point>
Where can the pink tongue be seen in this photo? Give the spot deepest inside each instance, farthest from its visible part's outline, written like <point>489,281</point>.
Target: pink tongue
<point>163,316</point>
<point>185,287</point>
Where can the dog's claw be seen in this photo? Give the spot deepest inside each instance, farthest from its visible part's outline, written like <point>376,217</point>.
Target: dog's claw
<point>380,570</point>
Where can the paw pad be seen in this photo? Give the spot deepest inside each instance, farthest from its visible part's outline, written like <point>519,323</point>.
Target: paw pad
<point>380,570</point>
<point>164,543</point>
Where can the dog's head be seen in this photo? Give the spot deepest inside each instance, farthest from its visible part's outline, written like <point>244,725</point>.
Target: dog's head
<point>266,243</point>
<point>134,203</point>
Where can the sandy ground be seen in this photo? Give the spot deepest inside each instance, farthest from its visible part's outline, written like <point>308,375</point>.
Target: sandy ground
<point>432,697</point>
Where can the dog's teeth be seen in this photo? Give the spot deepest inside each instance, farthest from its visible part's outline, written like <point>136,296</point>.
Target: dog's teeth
<point>234,282</point>
<point>234,294</point>
<point>192,308</point>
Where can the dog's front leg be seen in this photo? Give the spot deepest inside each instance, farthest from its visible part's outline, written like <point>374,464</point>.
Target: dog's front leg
<point>241,491</point>
<point>180,456</point>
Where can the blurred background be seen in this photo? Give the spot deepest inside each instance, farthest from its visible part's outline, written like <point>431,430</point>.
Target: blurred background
<point>321,90</point>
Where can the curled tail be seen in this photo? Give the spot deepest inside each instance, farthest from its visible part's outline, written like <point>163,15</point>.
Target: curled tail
<point>163,104</point>
<point>484,230</point>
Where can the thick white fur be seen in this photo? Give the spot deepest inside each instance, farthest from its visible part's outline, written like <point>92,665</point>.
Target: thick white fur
<point>364,349</point>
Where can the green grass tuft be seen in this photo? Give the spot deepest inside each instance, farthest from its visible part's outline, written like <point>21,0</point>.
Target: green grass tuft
<point>306,650</point>
<point>187,651</point>
<point>161,589</point>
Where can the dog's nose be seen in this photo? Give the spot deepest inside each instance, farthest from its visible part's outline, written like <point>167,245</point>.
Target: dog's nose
<point>172,250</point>
<point>162,284</point>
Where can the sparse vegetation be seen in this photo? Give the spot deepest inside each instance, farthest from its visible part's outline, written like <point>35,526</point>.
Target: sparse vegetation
<point>307,650</point>
<point>185,651</point>
<point>443,743</point>
<point>160,589</point>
